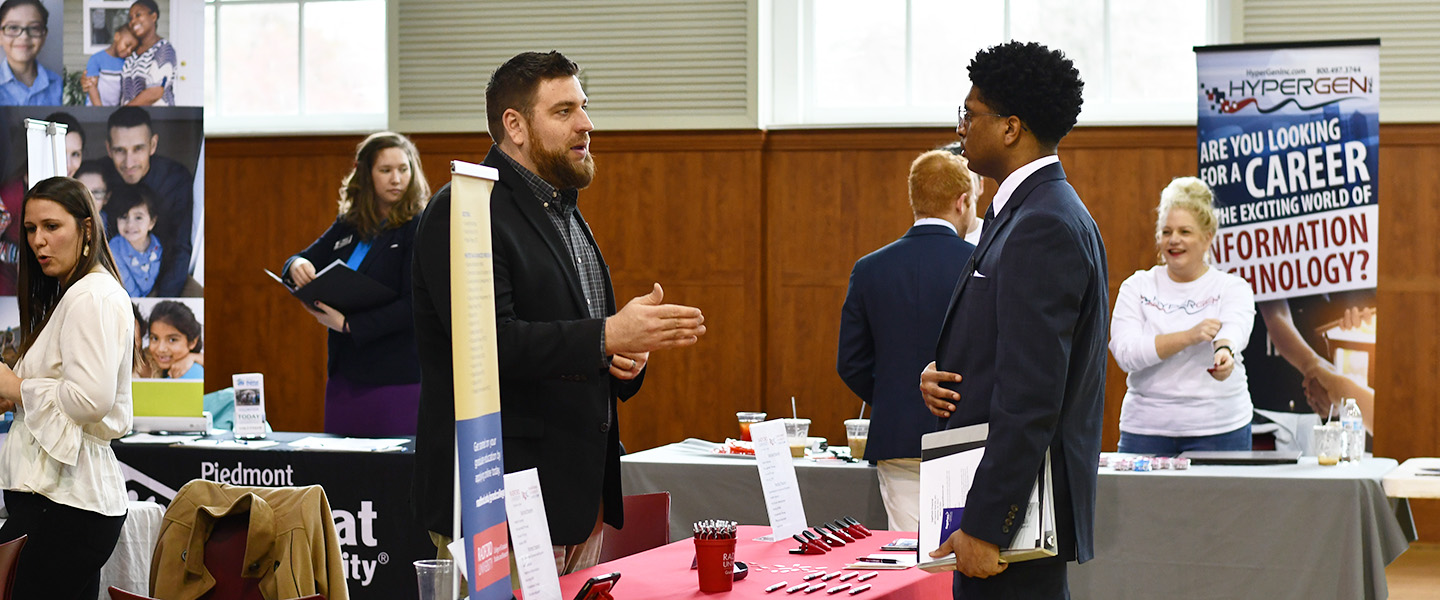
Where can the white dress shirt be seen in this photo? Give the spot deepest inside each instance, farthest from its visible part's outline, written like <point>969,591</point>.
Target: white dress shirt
<point>1007,187</point>
<point>74,399</point>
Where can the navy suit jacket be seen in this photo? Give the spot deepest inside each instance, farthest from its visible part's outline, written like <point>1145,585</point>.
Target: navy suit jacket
<point>1026,331</point>
<point>557,397</point>
<point>888,327</point>
<point>380,348</point>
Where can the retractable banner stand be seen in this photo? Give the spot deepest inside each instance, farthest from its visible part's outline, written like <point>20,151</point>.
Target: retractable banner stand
<point>477,383</point>
<point>1288,138</point>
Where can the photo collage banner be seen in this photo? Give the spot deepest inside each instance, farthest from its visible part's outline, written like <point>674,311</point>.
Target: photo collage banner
<point>131,96</point>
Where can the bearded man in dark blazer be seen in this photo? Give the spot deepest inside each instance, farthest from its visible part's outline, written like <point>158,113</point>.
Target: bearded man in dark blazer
<point>566,356</point>
<point>1023,345</point>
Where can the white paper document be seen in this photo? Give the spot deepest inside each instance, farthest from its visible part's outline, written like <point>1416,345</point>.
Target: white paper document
<point>948,463</point>
<point>349,444</point>
<point>530,536</point>
<point>777,480</point>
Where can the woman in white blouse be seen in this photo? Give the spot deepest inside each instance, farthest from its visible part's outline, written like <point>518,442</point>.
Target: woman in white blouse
<point>1178,330</point>
<point>70,391</point>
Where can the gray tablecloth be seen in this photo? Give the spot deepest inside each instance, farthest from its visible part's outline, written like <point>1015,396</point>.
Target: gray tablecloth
<point>1221,532</point>
<point>704,485</point>
<point>1213,532</point>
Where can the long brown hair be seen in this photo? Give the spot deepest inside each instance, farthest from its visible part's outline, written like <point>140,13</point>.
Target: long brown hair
<point>358,205</point>
<point>40,293</point>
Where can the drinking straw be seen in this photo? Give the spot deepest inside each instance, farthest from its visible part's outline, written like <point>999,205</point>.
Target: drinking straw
<point>793,412</point>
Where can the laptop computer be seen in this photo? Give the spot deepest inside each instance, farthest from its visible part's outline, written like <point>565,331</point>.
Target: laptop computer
<point>1242,457</point>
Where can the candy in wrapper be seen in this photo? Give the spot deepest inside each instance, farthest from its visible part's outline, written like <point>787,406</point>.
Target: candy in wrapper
<point>1182,463</point>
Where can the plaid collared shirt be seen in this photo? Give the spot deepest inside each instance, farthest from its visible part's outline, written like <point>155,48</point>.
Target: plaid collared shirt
<point>562,207</point>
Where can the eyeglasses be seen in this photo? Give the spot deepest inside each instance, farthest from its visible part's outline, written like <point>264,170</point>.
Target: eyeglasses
<point>966,116</point>
<point>14,31</point>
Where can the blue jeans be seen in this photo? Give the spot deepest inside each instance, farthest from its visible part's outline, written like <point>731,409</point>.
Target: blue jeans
<point>1162,445</point>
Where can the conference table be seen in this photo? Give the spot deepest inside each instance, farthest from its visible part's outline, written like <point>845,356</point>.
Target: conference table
<point>1269,531</point>
<point>664,572</point>
<point>369,494</point>
<point>706,485</point>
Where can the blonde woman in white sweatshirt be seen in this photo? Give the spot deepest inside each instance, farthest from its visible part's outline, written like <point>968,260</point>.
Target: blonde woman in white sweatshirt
<point>1178,330</point>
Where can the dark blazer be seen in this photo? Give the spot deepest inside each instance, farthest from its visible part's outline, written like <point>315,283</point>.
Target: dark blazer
<point>557,398</point>
<point>1028,339</point>
<point>380,348</point>
<point>888,326</point>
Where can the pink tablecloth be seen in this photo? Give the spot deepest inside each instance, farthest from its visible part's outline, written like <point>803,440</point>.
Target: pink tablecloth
<point>665,571</point>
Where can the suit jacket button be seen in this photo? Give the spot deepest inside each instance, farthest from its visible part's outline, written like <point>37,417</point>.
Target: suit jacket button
<point>1005,529</point>
<point>604,427</point>
<point>1009,521</point>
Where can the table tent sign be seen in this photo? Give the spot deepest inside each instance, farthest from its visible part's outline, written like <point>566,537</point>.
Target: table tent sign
<point>777,479</point>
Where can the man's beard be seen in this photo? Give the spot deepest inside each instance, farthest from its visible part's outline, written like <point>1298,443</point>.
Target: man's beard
<point>556,168</point>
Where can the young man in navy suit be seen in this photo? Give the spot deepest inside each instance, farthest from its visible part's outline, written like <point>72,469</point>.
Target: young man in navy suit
<point>891,317</point>
<point>1023,345</point>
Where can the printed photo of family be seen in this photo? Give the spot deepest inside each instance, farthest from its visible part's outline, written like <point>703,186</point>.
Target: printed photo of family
<point>122,56</point>
<point>140,165</point>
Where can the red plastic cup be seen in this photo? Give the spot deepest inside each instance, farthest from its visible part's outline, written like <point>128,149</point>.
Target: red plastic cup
<point>716,562</point>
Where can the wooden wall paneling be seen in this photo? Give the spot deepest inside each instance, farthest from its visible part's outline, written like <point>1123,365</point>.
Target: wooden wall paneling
<point>832,197</point>
<point>268,198</point>
<point>683,209</point>
<point>1407,421</point>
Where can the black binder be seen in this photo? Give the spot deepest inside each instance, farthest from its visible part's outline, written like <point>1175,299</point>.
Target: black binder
<point>342,289</point>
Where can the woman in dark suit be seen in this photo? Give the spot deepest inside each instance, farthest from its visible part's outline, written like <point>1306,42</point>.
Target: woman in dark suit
<point>374,376</point>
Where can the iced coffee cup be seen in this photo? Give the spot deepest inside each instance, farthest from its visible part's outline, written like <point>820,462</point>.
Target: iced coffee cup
<point>856,432</point>
<point>796,432</point>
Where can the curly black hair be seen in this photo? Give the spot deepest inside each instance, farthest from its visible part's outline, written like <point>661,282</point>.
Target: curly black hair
<point>1032,82</point>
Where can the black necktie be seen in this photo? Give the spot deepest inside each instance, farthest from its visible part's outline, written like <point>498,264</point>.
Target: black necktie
<point>989,216</point>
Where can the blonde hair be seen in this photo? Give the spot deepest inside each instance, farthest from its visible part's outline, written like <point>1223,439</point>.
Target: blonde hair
<point>937,178</point>
<point>1193,195</point>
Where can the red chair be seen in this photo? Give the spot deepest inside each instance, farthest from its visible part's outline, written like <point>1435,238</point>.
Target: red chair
<point>647,525</point>
<point>9,561</point>
<point>119,594</point>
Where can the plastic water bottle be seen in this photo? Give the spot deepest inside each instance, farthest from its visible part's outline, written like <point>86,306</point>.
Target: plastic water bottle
<point>1354,426</point>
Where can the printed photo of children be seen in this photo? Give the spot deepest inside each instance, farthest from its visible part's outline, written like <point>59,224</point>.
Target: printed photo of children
<point>171,343</point>
<point>30,34</point>
<point>140,165</point>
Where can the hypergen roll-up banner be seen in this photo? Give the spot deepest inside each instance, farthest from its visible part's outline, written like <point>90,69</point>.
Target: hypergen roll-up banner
<point>1289,141</point>
<point>477,383</point>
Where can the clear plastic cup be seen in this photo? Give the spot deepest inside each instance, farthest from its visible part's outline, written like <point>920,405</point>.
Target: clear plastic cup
<point>796,433</point>
<point>436,579</point>
<point>857,431</point>
<point>1329,443</point>
<point>746,418</point>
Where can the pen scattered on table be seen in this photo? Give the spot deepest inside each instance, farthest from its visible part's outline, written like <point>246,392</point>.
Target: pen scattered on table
<point>776,586</point>
<point>860,589</point>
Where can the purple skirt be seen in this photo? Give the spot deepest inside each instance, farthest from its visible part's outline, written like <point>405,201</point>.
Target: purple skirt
<point>357,410</point>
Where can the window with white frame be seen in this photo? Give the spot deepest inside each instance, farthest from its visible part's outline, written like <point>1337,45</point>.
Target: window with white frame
<point>903,62</point>
<point>286,66</point>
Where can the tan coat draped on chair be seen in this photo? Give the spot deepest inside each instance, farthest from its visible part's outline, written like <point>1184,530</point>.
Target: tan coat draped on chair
<point>291,544</point>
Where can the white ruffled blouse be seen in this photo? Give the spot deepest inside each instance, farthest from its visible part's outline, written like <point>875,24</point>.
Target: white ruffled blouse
<point>74,399</point>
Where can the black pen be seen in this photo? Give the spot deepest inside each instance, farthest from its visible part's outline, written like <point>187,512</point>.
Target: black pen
<point>881,560</point>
